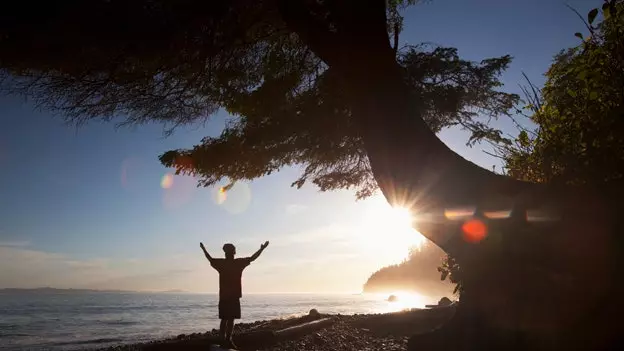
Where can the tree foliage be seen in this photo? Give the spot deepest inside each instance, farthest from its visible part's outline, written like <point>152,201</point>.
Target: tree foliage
<point>579,116</point>
<point>579,113</point>
<point>416,273</point>
<point>450,270</point>
<point>178,62</point>
<point>173,62</point>
<point>314,129</point>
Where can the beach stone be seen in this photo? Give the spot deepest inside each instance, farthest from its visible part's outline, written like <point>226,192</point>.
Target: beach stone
<point>445,301</point>
<point>314,313</point>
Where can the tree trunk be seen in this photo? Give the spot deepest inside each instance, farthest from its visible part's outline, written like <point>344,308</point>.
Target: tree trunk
<point>411,165</point>
<point>524,281</point>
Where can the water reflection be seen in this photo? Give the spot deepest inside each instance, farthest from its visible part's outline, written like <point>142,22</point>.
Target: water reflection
<point>404,300</point>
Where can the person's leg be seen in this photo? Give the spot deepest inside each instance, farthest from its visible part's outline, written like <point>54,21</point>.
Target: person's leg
<point>224,315</point>
<point>223,329</point>
<point>234,309</point>
<point>229,329</point>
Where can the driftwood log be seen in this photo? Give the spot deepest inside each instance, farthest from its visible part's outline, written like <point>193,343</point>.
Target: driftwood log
<point>304,328</point>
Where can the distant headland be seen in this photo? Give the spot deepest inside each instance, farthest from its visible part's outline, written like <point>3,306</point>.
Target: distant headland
<point>418,273</point>
<point>48,290</point>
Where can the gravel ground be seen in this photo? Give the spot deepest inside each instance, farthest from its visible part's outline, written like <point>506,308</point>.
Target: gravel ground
<point>342,336</point>
<point>348,332</point>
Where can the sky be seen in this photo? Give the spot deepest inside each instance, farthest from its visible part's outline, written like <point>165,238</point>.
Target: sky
<point>92,207</point>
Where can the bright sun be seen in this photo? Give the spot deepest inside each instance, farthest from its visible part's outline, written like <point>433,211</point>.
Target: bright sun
<point>389,230</point>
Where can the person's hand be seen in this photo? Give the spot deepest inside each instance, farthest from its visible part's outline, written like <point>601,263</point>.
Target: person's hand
<point>264,246</point>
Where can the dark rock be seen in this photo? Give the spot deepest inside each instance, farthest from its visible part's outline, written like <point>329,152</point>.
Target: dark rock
<point>445,301</point>
<point>314,313</point>
<point>317,339</point>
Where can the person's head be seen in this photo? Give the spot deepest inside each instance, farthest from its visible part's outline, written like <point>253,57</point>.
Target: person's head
<point>230,250</point>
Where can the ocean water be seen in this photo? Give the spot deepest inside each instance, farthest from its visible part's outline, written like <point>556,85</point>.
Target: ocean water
<point>76,321</point>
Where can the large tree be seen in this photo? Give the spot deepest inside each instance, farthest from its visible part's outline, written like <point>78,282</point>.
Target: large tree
<point>147,59</point>
<point>314,127</point>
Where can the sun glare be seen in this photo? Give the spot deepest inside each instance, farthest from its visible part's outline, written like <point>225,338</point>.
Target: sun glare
<point>403,300</point>
<point>408,300</point>
<point>389,230</point>
<point>400,215</point>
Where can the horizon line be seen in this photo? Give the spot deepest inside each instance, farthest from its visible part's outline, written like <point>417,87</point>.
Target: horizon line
<point>181,291</point>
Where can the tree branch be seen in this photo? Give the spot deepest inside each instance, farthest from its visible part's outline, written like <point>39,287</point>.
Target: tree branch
<point>313,32</point>
<point>396,38</point>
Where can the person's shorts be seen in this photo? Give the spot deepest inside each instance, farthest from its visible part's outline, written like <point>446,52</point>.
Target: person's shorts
<point>229,308</point>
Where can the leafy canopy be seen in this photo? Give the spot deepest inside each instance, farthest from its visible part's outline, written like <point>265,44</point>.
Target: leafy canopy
<point>178,62</point>
<point>579,113</point>
<point>314,129</point>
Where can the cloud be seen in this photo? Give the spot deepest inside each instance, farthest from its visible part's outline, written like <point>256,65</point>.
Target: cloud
<point>293,209</point>
<point>26,268</point>
<point>87,264</point>
<point>154,281</point>
<point>336,272</point>
<point>296,264</point>
<point>332,234</point>
<point>14,243</point>
<point>330,257</point>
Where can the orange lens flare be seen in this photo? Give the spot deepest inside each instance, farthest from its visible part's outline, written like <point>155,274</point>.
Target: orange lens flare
<point>222,195</point>
<point>474,231</point>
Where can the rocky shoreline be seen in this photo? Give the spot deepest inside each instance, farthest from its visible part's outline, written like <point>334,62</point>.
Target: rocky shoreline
<point>389,331</point>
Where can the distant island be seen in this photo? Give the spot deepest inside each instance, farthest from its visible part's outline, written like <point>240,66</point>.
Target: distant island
<point>49,290</point>
<point>418,273</point>
<point>174,291</point>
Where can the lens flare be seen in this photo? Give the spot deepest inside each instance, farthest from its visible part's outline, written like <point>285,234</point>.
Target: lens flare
<point>459,213</point>
<point>497,214</point>
<point>178,192</point>
<point>474,231</point>
<point>233,198</point>
<point>167,181</point>
<point>221,195</point>
<point>130,177</point>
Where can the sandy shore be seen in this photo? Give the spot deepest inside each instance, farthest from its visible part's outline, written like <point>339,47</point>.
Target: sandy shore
<point>344,332</point>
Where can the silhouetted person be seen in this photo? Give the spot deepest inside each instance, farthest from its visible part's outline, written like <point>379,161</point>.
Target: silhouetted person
<point>230,289</point>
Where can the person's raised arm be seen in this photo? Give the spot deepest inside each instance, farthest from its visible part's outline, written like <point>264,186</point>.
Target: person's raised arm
<point>257,254</point>
<point>205,252</point>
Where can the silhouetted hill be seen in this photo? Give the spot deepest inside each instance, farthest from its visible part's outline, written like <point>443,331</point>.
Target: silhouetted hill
<point>48,290</point>
<point>174,291</point>
<point>417,273</point>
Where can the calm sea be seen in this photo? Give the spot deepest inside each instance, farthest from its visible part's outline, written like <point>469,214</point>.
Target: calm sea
<point>62,321</point>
